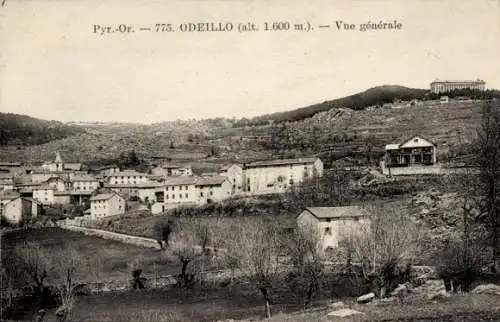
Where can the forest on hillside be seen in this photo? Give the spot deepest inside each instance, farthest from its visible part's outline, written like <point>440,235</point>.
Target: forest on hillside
<point>18,129</point>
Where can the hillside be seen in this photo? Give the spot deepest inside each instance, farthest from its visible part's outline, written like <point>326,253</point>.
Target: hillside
<point>343,133</point>
<point>373,96</point>
<point>16,129</point>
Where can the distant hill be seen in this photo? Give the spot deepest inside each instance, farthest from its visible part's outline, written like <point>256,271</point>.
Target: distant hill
<point>373,96</point>
<point>16,129</point>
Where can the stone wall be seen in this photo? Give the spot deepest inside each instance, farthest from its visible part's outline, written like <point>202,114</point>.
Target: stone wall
<point>413,170</point>
<point>127,239</point>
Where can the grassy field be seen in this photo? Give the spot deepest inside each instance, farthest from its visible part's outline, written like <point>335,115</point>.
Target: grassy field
<point>106,259</point>
<point>176,305</point>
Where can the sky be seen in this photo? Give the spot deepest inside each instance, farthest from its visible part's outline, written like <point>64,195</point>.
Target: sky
<point>53,66</point>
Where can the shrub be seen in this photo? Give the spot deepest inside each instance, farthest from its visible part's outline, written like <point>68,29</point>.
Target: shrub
<point>458,265</point>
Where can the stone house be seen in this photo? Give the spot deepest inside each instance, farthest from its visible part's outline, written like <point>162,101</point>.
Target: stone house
<point>333,224</point>
<point>276,176</point>
<point>213,189</point>
<point>234,174</point>
<point>106,204</point>
<point>18,209</point>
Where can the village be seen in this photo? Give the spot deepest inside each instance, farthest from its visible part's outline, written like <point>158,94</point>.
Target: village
<point>78,195</point>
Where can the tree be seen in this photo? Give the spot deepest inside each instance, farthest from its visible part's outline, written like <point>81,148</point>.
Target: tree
<point>385,248</point>
<point>65,263</point>
<point>164,230</point>
<point>488,160</point>
<point>304,249</point>
<point>190,246</point>
<point>57,268</point>
<point>256,246</point>
<point>33,262</point>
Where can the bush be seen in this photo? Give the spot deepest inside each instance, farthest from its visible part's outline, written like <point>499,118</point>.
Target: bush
<point>458,265</point>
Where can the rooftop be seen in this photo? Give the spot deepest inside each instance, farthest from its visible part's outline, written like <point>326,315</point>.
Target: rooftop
<point>83,178</point>
<point>179,180</point>
<point>281,162</point>
<point>127,173</point>
<point>72,166</point>
<point>337,212</point>
<point>103,196</point>
<point>9,195</point>
<point>73,193</point>
<point>104,167</point>
<point>396,146</point>
<point>44,187</point>
<point>459,81</point>
<point>10,164</point>
<point>211,181</point>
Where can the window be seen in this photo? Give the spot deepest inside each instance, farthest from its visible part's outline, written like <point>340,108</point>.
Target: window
<point>186,188</point>
<point>173,196</point>
<point>180,195</point>
<point>201,194</point>
<point>211,193</point>
<point>328,231</point>
<point>186,195</point>
<point>415,140</point>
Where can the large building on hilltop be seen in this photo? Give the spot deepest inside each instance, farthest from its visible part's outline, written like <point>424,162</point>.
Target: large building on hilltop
<point>443,86</point>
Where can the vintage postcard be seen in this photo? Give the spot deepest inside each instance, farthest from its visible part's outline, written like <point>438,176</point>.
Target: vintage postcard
<point>247,160</point>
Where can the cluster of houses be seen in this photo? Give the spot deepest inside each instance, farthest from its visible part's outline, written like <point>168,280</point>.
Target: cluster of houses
<point>105,191</point>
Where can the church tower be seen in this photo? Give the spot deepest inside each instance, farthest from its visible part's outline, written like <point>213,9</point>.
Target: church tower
<point>59,162</point>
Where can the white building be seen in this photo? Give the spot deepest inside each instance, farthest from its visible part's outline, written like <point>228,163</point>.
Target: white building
<point>58,183</point>
<point>213,189</point>
<point>169,170</point>
<point>180,190</point>
<point>416,155</point>
<point>44,194</point>
<point>127,177</point>
<point>442,86</point>
<point>55,166</point>
<point>275,176</point>
<point>84,182</point>
<point>235,175</point>
<point>333,224</point>
<point>19,208</point>
<point>151,192</point>
<point>106,204</point>
<point>107,170</point>
<point>6,181</point>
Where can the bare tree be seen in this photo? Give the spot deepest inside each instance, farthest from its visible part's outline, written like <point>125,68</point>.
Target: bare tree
<point>488,159</point>
<point>304,249</point>
<point>256,247</point>
<point>65,264</point>
<point>385,248</point>
<point>32,261</point>
<point>164,230</point>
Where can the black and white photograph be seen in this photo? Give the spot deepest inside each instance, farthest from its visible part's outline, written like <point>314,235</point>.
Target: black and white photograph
<point>250,160</point>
